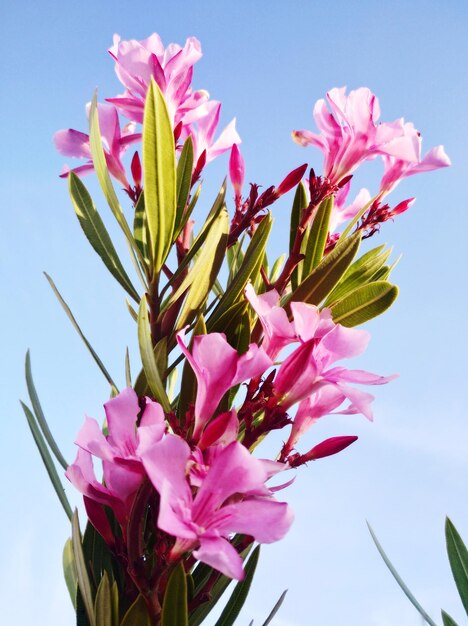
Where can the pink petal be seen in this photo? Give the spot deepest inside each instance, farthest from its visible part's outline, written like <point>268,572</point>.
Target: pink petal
<point>122,414</point>
<point>72,143</point>
<point>266,520</point>
<point>220,554</point>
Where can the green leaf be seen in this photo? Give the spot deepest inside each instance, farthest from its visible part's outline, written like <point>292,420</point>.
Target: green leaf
<point>249,270</point>
<point>300,202</point>
<point>103,603</point>
<point>140,229</point>
<point>364,303</point>
<point>115,603</point>
<point>276,608</point>
<point>276,269</point>
<point>148,357</point>
<point>96,233</point>
<point>447,620</point>
<point>188,385</point>
<point>41,420</point>
<point>47,459</point>
<point>159,169</point>
<point>184,181</point>
<point>102,173</point>
<point>131,310</point>
<point>84,583</point>
<point>174,609</point>
<point>317,238</point>
<point>202,275</point>
<point>216,209</point>
<point>328,272</point>
<point>358,274</point>
<point>239,595</point>
<point>399,580</point>
<point>72,319</point>
<point>128,373</point>
<point>137,614</point>
<point>458,558</point>
<point>96,554</point>
<point>69,570</point>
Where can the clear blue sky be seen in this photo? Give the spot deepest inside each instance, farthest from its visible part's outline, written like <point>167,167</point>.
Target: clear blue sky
<point>268,62</point>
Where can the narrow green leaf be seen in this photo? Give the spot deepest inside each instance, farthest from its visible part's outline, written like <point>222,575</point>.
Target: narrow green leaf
<point>188,385</point>
<point>96,233</point>
<point>137,614</point>
<point>128,372</point>
<point>239,595</point>
<point>184,180</point>
<point>174,609</point>
<point>131,310</point>
<point>148,358</point>
<point>41,420</point>
<point>276,608</point>
<point>327,273</point>
<point>202,275</point>
<point>72,319</point>
<point>399,580</point>
<point>115,604</point>
<point>69,570</point>
<point>103,603</point>
<point>447,620</point>
<point>97,555</point>
<point>317,238</point>
<point>140,228</point>
<point>364,303</point>
<point>84,583</point>
<point>47,459</point>
<point>249,270</point>
<point>300,202</point>
<point>277,267</point>
<point>458,558</point>
<point>216,209</point>
<point>159,169</point>
<point>102,173</point>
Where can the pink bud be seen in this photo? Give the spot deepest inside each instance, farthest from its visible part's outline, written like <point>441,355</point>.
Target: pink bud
<point>402,206</point>
<point>136,169</point>
<point>236,170</point>
<point>328,447</point>
<point>291,180</point>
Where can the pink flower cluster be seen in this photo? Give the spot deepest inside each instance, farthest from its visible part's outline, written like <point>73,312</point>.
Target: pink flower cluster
<point>208,483</point>
<point>192,112</point>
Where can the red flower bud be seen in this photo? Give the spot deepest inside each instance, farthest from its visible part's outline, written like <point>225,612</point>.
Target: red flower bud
<point>291,180</point>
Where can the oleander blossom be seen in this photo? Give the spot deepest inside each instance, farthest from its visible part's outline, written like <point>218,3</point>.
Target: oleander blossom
<point>115,142</point>
<point>350,134</point>
<point>222,506</point>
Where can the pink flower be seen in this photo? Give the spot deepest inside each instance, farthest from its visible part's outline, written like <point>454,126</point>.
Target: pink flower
<point>120,451</point>
<point>172,68</point>
<point>115,140</point>
<point>349,134</point>
<point>236,172</point>
<point>218,368</point>
<point>222,505</point>
<point>201,124</point>
<point>396,169</point>
<point>341,212</point>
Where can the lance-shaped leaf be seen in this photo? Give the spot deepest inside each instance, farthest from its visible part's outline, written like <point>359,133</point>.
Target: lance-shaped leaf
<point>249,270</point>
<point>148,358</point>
<point>69,570</point>
<point>364,303</point>
<point>159,172</point>
<point>103,603</point>
<point>137,614</point>
<point>300,202</point>
<point>96,552</point>
<point>188,384</point>
<point>199,240</point>
<point>317,238</point>
<point>84,583</point>
<point>399,580</point>
<point>239,595</point>
<point>327,273</point>
<point>184,181</point>
<point>96,233</point>
<point>174,609</point>
<point>364,270</point>
<point>39,414</point>
<point>447,620</point>
<point>458,559</point>
<point>202,275</point>
<point>47,459</point>
<point>276,608</point>
<point>72,319</point>
<point>140,228</point>
<point>102,173</point>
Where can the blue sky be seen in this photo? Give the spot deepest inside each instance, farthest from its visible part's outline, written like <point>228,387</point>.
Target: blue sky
<point>267,62</point>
